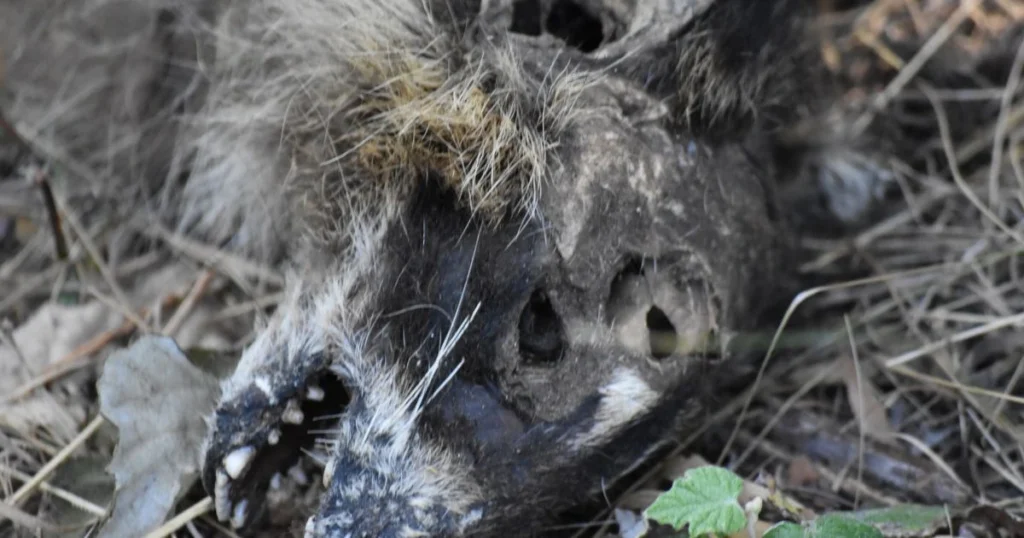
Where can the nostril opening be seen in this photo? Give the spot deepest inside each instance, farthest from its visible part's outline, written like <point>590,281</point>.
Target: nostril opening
<point>541,336</point>
<point>663,335</point>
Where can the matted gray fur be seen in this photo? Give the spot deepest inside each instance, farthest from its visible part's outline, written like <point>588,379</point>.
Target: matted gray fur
<point>490,234</point>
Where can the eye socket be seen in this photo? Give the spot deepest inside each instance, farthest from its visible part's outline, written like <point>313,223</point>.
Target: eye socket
<point>541,336</point>
<point>567,20</point>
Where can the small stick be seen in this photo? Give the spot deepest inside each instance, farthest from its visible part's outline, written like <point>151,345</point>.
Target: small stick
<point>181,519</point>
<point>44,186</point>
<point>68,362</point>
<point>60,243</point>
<point>70,498</point>
<point>13,133</point>
<point>188,303</point>
<point>913,67</point>
<point>28,487</point>
<point>25,520</point>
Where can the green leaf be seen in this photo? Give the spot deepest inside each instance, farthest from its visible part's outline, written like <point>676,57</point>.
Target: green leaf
<point>827,526</point>
<point>786,530</point>
<point>705,498</point>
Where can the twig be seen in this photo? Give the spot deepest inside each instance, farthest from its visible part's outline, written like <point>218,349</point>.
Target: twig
<point>25,520</point>
<point>70,498</point>
<point>1002,125</point>
<point>187,304</point>
<point>958,386</point>
<point>60,243</point>
<point>227,263</point>
<point>94,253</point>
<point>915,64</point>
<point>27,488</point>
<point>68,362</point>
<point>954,168</point>
<point>13,133</point>
<point>181,519</point>
<point>953,339</point>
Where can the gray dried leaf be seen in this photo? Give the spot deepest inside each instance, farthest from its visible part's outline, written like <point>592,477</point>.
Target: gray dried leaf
<point>158,401</point>
<point>50,334</point>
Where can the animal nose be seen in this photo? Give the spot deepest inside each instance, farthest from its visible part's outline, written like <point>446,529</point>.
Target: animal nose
<point>654,314</point>
<point>541,333</point>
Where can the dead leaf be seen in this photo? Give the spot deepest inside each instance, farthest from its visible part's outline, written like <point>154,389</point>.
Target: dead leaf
<point>158,400</point>
<point>865,401</point>
<point>53,331</point>
<point>801,472</point>
<point>631,524</point>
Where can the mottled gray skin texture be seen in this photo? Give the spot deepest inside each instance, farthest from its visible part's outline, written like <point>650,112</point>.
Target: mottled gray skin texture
<point>479,308</point>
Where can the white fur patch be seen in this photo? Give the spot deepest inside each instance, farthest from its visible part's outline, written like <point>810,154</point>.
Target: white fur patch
<point>624,398</point>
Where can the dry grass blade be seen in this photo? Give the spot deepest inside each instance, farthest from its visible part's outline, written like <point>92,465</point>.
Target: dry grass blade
<point>25,520</point>
<point>70,498</point>
<point>179,521</point>
<point>26,489</point>
<point>913,67</point>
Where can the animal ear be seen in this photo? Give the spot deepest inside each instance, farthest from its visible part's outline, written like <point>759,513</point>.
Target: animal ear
<point>732,63</point>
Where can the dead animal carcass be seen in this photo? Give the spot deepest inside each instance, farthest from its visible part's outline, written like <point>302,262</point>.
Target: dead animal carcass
<point>516,233</point>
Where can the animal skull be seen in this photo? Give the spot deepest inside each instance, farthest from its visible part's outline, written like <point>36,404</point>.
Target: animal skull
<point>510,260</point>
<point>529,220</point>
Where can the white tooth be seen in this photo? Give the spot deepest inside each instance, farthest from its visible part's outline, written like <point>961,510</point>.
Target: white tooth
<point>274,436</point>
<point>238,460</point>
<point>314,393</point>
<point>310,528</point>
<point>275,481</point>
<point>239,514</point>
<point>292,414</point>
<point>329,471</point>
<point>221,492</point>
<point>298,475</point>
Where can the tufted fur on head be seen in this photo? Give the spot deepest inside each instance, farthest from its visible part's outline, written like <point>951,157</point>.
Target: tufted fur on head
<point>486,233</point>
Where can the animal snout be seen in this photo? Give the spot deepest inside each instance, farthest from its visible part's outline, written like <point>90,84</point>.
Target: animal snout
<point>653,311</point>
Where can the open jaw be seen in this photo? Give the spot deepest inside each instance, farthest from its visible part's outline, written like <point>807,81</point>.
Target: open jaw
<point>265,432</point>
<point>468,454</point>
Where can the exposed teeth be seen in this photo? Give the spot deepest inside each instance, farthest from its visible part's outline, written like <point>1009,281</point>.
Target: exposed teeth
<point>238,460</point>
<point>310,527</point>
<point>221,500</point>
<point>239,514</point>
<point>329,471</point>
<point>274,436</point>
<point>292,414</point>
<point>314,393</point>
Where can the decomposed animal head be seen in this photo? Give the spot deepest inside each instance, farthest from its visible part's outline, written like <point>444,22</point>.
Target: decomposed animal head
<point>515,254</point>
